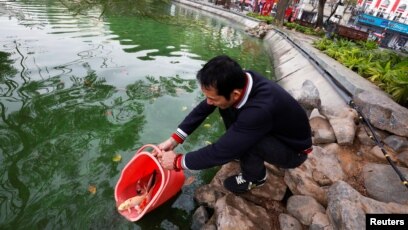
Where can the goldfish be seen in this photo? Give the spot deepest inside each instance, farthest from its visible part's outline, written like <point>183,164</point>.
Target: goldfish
<point>143,196</point>
<point>133,202</point>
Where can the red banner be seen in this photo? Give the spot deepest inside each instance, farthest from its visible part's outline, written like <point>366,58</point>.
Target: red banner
<point>394,7</point>
<point>377,4</point>
<point>267,7</point>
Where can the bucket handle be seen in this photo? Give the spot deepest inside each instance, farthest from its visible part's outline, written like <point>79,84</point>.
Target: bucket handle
<point>155,148</point>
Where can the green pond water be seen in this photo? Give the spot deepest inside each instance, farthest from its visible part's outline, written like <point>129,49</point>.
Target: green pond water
<point>82,84</point>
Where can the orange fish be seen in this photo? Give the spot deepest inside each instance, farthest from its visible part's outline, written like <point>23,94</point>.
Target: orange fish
<point>139,201</point>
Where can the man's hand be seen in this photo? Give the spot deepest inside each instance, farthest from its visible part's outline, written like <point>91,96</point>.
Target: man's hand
<point>166,159</point>
<point>168,144</point>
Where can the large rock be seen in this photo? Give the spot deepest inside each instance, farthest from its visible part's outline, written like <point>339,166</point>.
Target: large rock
<point>307,96</point>
<point>376,153</point>
<point>274,188</point>
<point>304,208</point>
<point>233,212</point>
<point>200,218</point>
<point>288,222</point>
<point>396,143</point>
<point>383,184</point>
<point>320,221</point>
<point>383,112</point>
<point>403,158</point>
<point>366,137</point>
<point>322,132</point>
<point>258,31</point>
<point>347,208</point>
<point>343,123</point>
<point>344,210</point>
<point>320,170</point>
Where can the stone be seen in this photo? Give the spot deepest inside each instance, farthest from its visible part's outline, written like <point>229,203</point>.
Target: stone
<point>207,195</point>
<point>347,208</point>
<point>209,227</point>
<point>396,143</point>
<point>343,208</point>
<point>383,112</point>
<point>378,154</point>
<point>320,221</point>
<point>346,215</point>
<point>322,162</point>
<point>403,158</point>
<point>364,137</point>
<point>258,31</point>
<point>322,132</point>
<point>303,208</point>
<point>200,217</point>
<point>320,178</point>
<point>273,189</point>
<point>233,212</point>
<point>308,96</point>
<point>383,184</point>
<point>343,123</point>
<point>287,222</point>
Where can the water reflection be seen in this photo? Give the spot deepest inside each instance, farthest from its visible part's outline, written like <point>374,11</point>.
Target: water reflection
<point>80,86</point>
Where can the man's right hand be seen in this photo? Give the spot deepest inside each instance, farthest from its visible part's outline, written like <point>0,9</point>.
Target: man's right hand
<point>168,145</point>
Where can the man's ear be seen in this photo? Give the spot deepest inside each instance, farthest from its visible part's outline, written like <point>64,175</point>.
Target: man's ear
<point>236,94</point>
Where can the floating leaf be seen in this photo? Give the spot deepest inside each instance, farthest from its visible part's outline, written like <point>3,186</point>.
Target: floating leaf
<point>92,189</point>
<point>108,113</point>
<point>184,108</point>
<point>207,125</point>
<point>208,142</point>
<point>117,157</point>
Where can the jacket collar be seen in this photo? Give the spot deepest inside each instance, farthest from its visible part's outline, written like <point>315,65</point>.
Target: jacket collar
<point>245,93</point>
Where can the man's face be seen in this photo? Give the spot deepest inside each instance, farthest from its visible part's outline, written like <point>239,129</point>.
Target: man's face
<point>217,100</point>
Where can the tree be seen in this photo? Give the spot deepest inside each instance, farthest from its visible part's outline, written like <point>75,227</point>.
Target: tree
<point>256,6</point>
<point>280,11</point>
<point>320,11</point>
<point>320,14</point>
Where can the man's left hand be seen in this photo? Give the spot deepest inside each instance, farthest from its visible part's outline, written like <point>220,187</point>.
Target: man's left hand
<point>166,159</point>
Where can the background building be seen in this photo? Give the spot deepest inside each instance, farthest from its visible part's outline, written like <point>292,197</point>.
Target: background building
<point>386,21</point>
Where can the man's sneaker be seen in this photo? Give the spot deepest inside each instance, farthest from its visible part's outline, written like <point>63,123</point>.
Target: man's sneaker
<point>237,184</point>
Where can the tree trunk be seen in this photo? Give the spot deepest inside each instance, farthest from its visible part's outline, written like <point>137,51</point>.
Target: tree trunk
<point>319,22</point>
<point>280,12</point>
<point>255,7</point>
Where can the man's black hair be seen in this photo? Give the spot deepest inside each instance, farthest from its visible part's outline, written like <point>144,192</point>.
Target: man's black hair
<point>222,73</point>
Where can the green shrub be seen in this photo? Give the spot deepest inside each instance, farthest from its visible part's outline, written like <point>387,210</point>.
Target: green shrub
<point>323,44</point>
<point>267,19</point>
<point>300,28</point>
<point>303,29</point>
<point>384,68</point>
<point>290,25</point>
<point>367,45</point>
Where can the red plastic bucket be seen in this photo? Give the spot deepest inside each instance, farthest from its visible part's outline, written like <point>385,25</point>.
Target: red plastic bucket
<point>168,182</point>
